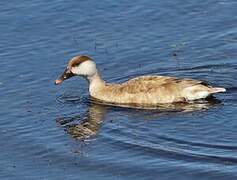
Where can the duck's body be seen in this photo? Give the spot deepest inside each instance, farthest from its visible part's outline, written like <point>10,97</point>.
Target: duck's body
<point>141,90</point>
<point>151,90</point>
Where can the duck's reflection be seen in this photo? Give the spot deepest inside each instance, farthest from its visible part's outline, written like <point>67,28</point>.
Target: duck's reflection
<point>88,125</point>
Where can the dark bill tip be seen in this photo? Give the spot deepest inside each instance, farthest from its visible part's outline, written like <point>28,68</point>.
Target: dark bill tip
<point>58,81</point>
<point>66,75</point>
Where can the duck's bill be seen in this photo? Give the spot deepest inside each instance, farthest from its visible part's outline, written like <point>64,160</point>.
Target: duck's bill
<point>66,75</point>
<point>58,81</point>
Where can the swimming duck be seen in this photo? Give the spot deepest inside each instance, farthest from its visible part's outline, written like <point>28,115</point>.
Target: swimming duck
<point>149,90</point>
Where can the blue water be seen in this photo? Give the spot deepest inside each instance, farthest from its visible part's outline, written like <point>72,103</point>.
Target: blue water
<point>50,132</point>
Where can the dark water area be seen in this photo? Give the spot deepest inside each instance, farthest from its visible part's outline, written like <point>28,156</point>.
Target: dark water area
<point>50,132</point>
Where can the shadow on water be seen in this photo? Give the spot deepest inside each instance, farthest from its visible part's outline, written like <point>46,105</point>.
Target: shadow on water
<point>87,125</point>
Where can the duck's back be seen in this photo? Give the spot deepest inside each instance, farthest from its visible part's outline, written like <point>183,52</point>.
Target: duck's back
<point>154,90</point>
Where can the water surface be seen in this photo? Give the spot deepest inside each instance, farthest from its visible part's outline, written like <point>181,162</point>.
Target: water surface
<point>50,132</point>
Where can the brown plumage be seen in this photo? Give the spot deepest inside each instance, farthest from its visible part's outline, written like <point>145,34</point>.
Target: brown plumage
<point>149,90</point>
<point>77,60</point>
<point>154,90</point>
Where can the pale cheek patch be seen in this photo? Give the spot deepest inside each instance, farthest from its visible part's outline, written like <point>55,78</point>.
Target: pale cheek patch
<point>87,68</point>
<point>73,70</point>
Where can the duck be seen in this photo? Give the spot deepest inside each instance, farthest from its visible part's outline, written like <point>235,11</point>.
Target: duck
<point>143,90</point>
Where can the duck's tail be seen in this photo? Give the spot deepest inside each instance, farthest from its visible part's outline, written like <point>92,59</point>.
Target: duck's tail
<point>217,90</point>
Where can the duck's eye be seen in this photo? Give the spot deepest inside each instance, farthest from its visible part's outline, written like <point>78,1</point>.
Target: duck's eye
<point>64,77</point>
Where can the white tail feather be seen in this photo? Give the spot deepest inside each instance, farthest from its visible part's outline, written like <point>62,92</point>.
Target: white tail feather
<point>217,90</point>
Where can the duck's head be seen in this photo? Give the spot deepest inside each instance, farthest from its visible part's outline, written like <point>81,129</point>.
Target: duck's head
<point>78,65</point>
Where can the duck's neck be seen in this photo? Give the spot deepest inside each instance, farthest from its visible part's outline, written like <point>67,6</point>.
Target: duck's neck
<point>96,83</point>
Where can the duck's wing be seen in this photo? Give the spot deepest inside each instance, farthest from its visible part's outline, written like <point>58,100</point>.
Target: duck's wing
<point>164,89</point>
<point>152,79</point>
<point>146,84</point>
<point>142,84</point>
